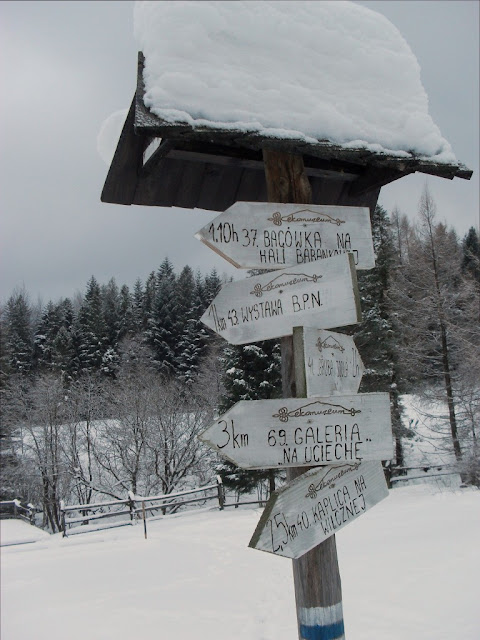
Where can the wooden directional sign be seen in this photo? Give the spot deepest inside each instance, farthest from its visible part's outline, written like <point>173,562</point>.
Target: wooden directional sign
<point>332,363</point>
<point>296,432</point>
<point>316,505</point>
<point>264,235</point>
<point>320,294</point>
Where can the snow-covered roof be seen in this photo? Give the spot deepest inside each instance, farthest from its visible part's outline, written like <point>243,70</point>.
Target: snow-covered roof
<point>306,71</point>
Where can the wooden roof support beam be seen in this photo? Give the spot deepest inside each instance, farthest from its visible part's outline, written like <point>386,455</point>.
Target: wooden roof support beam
<point>179,153</point>
<point>163,149</point>
<point>121,181</point>
<point>375,178</point>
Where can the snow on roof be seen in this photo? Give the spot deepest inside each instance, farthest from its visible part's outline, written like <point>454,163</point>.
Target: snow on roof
<point>312,71</point>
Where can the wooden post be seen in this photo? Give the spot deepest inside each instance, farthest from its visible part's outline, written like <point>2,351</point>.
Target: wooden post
<point>221,493</point>
<point>144,519</point>
<point>316,575</point>
<point>131,505</point>
<point>62,515</point>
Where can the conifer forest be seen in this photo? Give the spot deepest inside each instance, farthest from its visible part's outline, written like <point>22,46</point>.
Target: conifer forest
<point>104,393</point>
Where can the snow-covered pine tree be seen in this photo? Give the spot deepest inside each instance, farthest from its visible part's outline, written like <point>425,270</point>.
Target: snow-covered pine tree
<point>471,255</point>
<point>113,320</point>
<point>45,335</point>
<point>252,372</point>
<point>92,328</point>
<point>193,339</point>
<point>66,345</point>
<point>139,319</point>
<point>125,312</point>
<point>210,287</point>
<point>149,297</point>
<point>18,334</point>
<point>111,312</point>
<point>375,337</point>
<point>161,334</point>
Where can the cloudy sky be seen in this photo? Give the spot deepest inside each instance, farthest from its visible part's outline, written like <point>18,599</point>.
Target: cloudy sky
<point>66,66</point>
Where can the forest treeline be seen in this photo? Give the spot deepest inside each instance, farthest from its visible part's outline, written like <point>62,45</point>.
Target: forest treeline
<point>105,392</point>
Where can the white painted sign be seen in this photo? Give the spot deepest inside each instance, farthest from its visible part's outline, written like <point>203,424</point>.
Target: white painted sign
<point>321,294</point>
<point>304,432</point>
<point>266,235</point>
<point>332,363</point>
<point>316,505</point>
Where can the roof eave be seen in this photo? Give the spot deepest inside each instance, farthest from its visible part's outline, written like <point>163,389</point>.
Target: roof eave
<point>148,124</point>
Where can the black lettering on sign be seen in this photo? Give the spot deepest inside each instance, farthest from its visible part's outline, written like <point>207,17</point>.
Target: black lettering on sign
<point>275,437</point>
<point>290,455</point>
<point>308,301</point>
<point>223,233</point>
<point>238,440</point>
<point>356,366</point>
<point>220,323</point>
<point>249,237</point>
<point>344,241</point>
<point>360,484</point>
<point>267,309</point>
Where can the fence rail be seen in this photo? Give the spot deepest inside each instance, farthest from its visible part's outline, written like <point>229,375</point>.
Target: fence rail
<point>139,506</point>
<point>400,474</point>
<point>14,509</point>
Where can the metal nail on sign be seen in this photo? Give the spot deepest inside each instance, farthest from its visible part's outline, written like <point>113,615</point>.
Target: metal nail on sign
<point>321,294</point>
<point>263,235</point>
<point>332,363</point>
<point>316,505</point>
<point>296,432</point>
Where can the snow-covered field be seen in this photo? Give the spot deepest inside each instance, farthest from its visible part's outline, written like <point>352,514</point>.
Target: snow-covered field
<point>409,569</point>
<point>15,532</point>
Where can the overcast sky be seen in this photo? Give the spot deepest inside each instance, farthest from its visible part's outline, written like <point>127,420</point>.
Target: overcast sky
<point>66,66</point>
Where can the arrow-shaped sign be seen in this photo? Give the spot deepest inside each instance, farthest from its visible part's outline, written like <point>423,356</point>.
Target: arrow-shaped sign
<point>332,363</point>
<point>296,432</point>
<point>321,294</point>
<point>266,235</point>
<point>316,505</point>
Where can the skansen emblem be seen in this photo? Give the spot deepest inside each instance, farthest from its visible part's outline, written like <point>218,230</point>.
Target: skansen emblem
<point>329,479</point>
<point>329,343</point>
<point>303,216</point>
<point>317,408</point>
<point>283,281</point>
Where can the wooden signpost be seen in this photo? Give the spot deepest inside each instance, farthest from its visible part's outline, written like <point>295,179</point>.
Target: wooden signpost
<point>300,432</point>
<point>337,427</point>
<point>261,235</point>
<point>315,286</point>
<point>333,365</point>
<point>320,294</point>
<point>316,505</point>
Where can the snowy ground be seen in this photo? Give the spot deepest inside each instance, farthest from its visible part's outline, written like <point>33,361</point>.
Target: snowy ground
<point>14,532</point>
<point>409,569</point>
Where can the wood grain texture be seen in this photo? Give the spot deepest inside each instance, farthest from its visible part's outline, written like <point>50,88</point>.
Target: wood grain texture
<point>121,181</point>
<point>333,365</point>
<point>290,432</point>
<point>254,235</point>
<point>321,294</point>
<point>316,574</point>
<point>311,508</point>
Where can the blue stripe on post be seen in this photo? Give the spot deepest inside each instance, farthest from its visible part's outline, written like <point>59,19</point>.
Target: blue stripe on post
<point>322,632</point>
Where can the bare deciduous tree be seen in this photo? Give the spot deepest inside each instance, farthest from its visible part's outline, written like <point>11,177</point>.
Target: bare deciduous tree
<point>433,308</point>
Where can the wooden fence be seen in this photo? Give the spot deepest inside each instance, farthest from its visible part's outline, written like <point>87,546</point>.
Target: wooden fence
<point>14,509</point>
<point>424,472</point>
<point>137,507</point>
